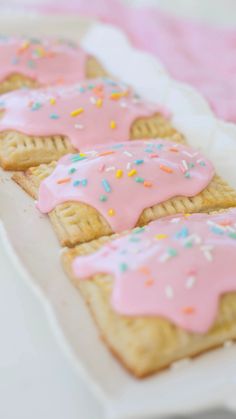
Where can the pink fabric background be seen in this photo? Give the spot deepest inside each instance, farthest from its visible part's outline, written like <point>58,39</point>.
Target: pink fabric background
<point>201,55</point>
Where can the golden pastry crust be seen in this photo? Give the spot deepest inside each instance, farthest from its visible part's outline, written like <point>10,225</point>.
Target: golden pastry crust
<point>76,222</point>
<point>145,345</point>
<point>16,81</point>
<point>19,151</point>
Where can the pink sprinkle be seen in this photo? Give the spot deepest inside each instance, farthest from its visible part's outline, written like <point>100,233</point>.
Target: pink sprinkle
<point>101,168</point>
<point>152,156</point>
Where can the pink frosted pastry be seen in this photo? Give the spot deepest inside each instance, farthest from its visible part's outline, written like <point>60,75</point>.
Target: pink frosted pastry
<point>164,269</point>
<point>121,180</point>
<point>31,61</point>
<point>50,122</point>
<point>162,292</point>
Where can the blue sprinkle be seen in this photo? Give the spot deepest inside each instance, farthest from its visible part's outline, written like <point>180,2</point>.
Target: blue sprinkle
<point>183,233</point>
<point>84,182</point>
<point>117,146</point>
<point>217,230</point>
<point>76,183</point>
<point>159,146</point>
<point>54,116</point>
<point>139,161</point>
<point>106,185</point>
<point>81,89</point>
<point>148,150</point>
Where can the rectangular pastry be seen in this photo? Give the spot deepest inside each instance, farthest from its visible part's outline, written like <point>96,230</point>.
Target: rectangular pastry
<point>163,292</point>
<point>117,187</point>
<point>31,62</point>
<point>39,126</point>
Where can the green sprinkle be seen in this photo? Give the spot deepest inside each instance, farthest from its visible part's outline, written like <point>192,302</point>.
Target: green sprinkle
<point>103,198</point>
<point>191,165</point>
<point>36,106</point>
<point>31,64</point>
<point>84,182</point>
<point>187,175</point>
<point>138,230</point>
<point>188,245</point>
<point>232,235</point>
<point>54,116</point>
<point>77,157</point>
<point>139,179</point>
<point>134,239</point>
<point>172,252</point>
<point>202,163</point>
<point>123,267</point>
<point>72,170</point>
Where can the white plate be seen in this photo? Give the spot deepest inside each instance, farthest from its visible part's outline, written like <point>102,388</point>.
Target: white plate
<point>208,381</point>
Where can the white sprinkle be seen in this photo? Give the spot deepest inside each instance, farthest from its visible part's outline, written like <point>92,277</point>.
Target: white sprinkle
<point>190,282</point>
<point>93,100</point>
<point>175,220</point>
<point>123,105</point>
<point>185,165</point>
<point>110,169</point>
<point>230,229</point>
<point>219,227</point>
<point>128,167</point>
<point>78,126</point>
<point>169,292</point>
<point>164,257</point>
<point>127,153</point>
<point>207,252</point>
<point>189,154</point>
<point>193,238</point>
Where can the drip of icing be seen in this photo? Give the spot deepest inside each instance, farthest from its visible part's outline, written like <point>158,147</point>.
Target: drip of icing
<point>121,180</point>
<point>176,268</point>
<point>44,60</point>
<point>95,111</point>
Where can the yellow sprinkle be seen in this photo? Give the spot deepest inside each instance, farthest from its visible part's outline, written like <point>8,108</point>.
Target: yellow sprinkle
<point>99,103</point>
<point>111,212</point>
<point>132,172</point>
<point>187,215</point>
<point>52,101</point>
<point>77,112</point>
<point>112,124</point>
<point>160,236</point>
<point>119,173</point>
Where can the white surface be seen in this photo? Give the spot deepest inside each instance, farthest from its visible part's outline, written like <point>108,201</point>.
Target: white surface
<point>36,374</point>
<point>35,379</point>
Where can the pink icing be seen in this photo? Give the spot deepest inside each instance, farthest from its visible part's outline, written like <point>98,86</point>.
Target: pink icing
<point>44,60</point>
<point>176,268</point>
<point>121,180</point>
<point>106,110</point>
